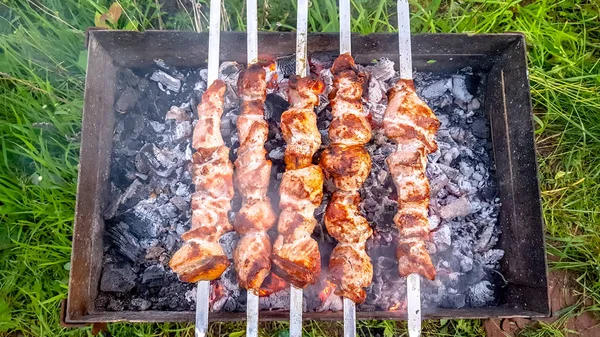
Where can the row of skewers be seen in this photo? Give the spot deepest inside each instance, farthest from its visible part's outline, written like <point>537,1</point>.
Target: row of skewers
<point>294,256</point>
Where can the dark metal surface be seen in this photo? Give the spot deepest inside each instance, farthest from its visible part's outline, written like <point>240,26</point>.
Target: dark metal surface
<point>508,105</point>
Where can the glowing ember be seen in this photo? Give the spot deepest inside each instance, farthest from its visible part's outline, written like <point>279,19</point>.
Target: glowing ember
<point>272,284</point>
<point>328,290</point>
<point>217,291</point>
<point>395,307</point>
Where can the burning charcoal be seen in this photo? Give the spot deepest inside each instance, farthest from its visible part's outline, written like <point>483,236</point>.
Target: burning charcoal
<point>434,221</point>
<point>485,239</point>
<point>383,70</point>
<point>274,107</point>
<point>276,154</point>
<point>154,252</point>
<point>491,258</point>
<point>178,113</point>
<point>124,242</point>
<point>141,303</point>
<point>480,294</point>
<point>127,100</point>
<point>183,130</point>
<point>459,89</point>
<point>115,304</point>
<point>169,82</point>
<point>154,276</point>
<point>180,203</point>
<point>436,89</point>
<point>134,194</point>
<point>458,208</point>
<point>127,77</point>
<point>144,220</point>
<point>480,128</point>
<point>453,301</point>
<point>117,278</point>
<point>442,238</point>
<point>229,73</point>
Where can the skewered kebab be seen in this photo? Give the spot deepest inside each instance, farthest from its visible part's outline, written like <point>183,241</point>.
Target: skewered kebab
<point>252,256</point>
<point>411,124</point>
<point>296,255</point>
<point>348,163</point>
<point>201,258</point>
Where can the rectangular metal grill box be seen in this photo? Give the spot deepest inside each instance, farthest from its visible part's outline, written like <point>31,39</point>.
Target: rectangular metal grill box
<point>502,57</point>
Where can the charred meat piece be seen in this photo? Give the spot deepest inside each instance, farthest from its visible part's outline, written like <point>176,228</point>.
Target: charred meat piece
<point>410,123</point>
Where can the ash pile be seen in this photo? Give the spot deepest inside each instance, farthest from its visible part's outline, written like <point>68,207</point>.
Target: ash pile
<point>151,191</point>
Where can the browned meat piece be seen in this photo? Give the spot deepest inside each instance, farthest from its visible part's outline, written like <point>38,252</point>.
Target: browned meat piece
<point>348,163</point>
<point>252,256</point>
<point>412,125</point>
<point>201,258</point>
<point>351,271</point>
<point>296,256</point>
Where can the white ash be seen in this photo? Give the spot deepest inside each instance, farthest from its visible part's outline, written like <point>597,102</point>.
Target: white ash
<point>151,191</point>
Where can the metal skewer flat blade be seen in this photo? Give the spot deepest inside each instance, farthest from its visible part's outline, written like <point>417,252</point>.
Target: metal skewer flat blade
<point>252,31</point>
<point>295,312</point>
<point>214,36</point>
<point>345,30</point>
<point>252,314</point>
<point>413,294</point>
<point>349,318</point>
<point>202,302</point>
<point>404,40</point>
<point>301,35</point>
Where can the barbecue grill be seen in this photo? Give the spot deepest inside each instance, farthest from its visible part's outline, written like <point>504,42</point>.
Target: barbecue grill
<point>502,57</point>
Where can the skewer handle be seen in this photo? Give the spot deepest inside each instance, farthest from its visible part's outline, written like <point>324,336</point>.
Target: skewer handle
<point>295,312</point>
<point>345,30</point>
<point>301,36</point>
<point>252,314</point>
<point>349,318</point>
<point>202,307</point>
<point>252,31</point>
<point>214,36</point>
<point>413,285</point>
<point>404,46</point>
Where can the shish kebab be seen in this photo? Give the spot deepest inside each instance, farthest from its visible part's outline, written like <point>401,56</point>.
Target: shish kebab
<point>201,258</point>
<point>347,161</point>
<point>296,256</point>
<point>252,255</point>
<point>411,124</point>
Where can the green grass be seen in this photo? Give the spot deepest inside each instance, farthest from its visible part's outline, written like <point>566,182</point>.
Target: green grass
<point>42,68</point>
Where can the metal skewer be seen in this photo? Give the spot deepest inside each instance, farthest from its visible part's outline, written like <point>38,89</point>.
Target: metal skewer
<point>345,47</point>
<point>252,299</point>
<point>214,36</point>
<point>413,281</point>
<point>301,70</point>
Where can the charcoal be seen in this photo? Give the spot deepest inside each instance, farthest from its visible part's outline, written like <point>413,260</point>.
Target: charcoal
<point>141,304</point>
<point>480,128</point>
<point>454,301</point>
<point>124,242</point>
<point>117,278</point>
<point>178,113</point>
<point>167,81</point>
<point>154,276</point>
<point>151,190</point>
<point>481,294</point>
<point>459,208</point>
<point>127,100</point>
